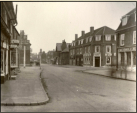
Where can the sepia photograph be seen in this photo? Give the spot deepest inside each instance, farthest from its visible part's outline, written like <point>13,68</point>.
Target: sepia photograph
<point>68,56</point>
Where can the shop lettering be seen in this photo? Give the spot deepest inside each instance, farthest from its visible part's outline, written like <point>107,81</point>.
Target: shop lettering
<point>127,49</point>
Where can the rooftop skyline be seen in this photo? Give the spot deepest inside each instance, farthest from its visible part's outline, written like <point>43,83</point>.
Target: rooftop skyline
<point>48,23</point>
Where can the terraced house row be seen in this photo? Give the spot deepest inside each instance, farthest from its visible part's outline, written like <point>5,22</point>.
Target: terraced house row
<point>10,42</point>
<point>105,46</point>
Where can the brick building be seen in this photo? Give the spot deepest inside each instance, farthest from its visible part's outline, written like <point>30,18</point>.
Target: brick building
<point>62,50</point>
<point>95,48</point>
<point>126,41</point>
<point>8,21</point>
<point>24,49</point>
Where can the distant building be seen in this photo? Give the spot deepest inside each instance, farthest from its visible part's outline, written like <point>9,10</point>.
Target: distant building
<point>62,50</point>
<point>126,41</point>
<point>96,48</point>
<point>24,49</point>
<point>50,57</point>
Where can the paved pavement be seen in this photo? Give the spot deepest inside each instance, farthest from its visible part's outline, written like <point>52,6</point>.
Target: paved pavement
<point>131,76</point>
<point>104,71</point>
<point>26,90</point>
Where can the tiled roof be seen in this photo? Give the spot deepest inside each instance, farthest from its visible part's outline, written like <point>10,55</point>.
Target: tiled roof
<point>104,30</point>
<point>130,22</point>
<point>66,50</point>
<point>100,31</point>
<point>58,46</point>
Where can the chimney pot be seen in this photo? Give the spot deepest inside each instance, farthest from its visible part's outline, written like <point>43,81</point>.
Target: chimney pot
<point>91,29</point>
<point>76,36</point>
<point>83,33</point>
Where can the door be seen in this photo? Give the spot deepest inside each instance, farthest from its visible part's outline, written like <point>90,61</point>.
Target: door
<point>97,61</point>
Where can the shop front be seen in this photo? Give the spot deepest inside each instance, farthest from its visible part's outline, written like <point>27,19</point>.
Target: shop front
<point>127,56</point>
<point>4,58</point>
<point>14,59</point>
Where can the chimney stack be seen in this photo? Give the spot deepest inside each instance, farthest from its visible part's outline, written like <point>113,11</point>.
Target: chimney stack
<point>76,36</point>
<point>91,30</point>
<point>83,33</point>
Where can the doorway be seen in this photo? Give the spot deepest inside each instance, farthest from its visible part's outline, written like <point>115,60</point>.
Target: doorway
<point>97,61</point>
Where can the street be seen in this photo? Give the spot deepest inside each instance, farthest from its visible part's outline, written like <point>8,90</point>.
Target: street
<point>70,90</point>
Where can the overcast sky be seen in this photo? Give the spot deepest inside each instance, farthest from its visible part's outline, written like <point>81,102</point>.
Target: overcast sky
<point>48,23</point>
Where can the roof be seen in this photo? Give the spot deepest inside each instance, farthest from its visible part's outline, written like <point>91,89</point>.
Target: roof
<point>66,50</point>
<point>58,46</point>
<point>100,31</point>
<point>131,20</point>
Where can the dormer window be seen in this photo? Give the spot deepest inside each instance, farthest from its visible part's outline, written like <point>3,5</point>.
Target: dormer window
<point>108,37</point>
<point>98,37</point>
<point>124,20</point>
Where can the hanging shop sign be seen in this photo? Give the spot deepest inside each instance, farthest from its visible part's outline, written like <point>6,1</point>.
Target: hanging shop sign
<point>15,41</point>
<point>127,49</point>
<point>13,46</point>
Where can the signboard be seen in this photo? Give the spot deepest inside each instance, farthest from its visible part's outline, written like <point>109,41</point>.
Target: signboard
<point>96,54</point>
<point>13,46</point>
<point>4,45</point>
<point>108,54</point>
<point>15,41</point>
<point>127,49</point>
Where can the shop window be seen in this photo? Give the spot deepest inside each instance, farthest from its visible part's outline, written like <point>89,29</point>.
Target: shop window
<point>134,58</point>
<point>134,37</point>
<point>2,61</point>
<point>13,57</point>
<point>128,58</point>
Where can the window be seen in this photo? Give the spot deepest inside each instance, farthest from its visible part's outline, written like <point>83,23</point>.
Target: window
<point>89,49</point>
<point>13,58</point>
<point>108,60</point>
<point>108,49</point>
<point>85,50</point>
<point>80,50</point>
<point>87,40</point>
<point>2,61</point>
<point>97,49</point>
<point>135,16</point>
<point>82,41</point>
<point>115,36</point>
<point>124,21</point>
<point>90,38</point>
<point>108,37</point>
<point>98,37</point>
<point>134,37</point>
<point>122,38</point>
